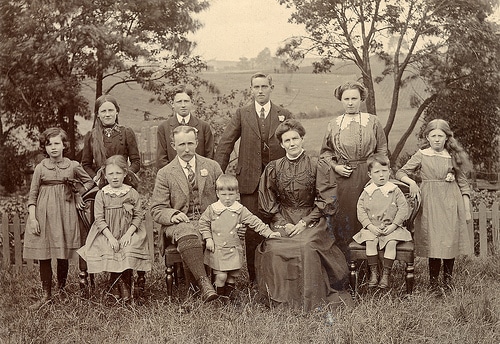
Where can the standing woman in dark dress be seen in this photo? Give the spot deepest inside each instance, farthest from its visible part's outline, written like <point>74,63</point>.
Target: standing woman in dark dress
<point>302,267</point>
<point>349,140</point>
<point>108,138</point>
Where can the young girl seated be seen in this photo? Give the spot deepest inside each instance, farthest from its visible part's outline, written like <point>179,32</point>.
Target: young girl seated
<point>117,241</point>
<point>220,225</point>
<point>381,208</point>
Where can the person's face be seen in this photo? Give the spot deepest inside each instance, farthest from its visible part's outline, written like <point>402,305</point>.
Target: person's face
<point>107,114</point>
<point>227,197</point>
<point>437,139</point>
<point>351,100</point>
<point>379,174</point>
<point>55,147</point>
<point>261,90</point>
<point>182,104</point>
<point>185,145</point>
<point>114,175</point>
<point>292,143</point>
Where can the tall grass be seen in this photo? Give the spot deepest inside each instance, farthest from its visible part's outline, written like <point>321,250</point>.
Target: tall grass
<point>467,314</point>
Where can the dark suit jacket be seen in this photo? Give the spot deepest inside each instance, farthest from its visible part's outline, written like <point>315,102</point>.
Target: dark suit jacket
<point>164,151</point>
<point>245,125</point>
<point>171,191</point>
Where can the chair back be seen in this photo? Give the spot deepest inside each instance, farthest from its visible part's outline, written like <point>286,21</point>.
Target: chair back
<point>413,205</point>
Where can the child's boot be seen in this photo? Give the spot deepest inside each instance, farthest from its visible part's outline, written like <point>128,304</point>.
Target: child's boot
<point>46,295</point>
<point>221,291</point>
<point>448,272</point>
<point>141,283</point>
<point>434,268</point>
<point>62,273</point>
<point>230,290</point>
<point>113,285</point>
<point>373,265</point>
<point>384,281</point>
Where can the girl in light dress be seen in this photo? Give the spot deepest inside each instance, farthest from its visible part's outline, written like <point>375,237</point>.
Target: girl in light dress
<point>441,227</point>
<point>52,229</point>
<point>117,241</point>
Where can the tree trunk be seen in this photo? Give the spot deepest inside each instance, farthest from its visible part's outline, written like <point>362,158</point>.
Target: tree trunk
<point>401,143</point>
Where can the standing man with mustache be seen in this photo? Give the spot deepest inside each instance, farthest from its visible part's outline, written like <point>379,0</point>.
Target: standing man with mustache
<point>254,125</point>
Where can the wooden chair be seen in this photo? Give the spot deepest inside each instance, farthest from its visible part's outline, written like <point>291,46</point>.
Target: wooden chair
<point>404,250</point>
<point>86,219</point>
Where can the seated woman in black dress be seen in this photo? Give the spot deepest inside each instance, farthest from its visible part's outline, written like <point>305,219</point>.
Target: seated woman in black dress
<point>300,268</point>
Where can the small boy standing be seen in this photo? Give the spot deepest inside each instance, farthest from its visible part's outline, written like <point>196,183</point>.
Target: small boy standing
<point>381,209</point>
<point>220,226</point>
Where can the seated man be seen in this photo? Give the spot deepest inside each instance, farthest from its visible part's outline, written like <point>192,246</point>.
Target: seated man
<point>183,190</point>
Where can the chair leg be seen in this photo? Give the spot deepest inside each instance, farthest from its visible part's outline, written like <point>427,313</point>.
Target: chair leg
<point>353,278</point>
<point>410,277</point>
<point>84,283</point>
<point>170,280</point>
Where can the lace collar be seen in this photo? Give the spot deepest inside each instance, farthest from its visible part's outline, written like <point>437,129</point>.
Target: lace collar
<point>51,165</point>
<point>344,120</point>
<point>431,152</point>
<point>118,192</point>
<point>218,207</point>
<point>386,189</point>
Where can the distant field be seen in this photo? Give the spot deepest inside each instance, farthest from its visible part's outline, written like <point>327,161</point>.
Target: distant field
<point>298,92</point>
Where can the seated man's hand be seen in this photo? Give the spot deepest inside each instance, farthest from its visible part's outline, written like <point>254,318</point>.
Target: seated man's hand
<point>275,235</point>
<point>179,217</point>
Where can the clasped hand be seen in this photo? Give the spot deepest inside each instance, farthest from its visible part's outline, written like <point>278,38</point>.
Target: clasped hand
<point>293,230</point>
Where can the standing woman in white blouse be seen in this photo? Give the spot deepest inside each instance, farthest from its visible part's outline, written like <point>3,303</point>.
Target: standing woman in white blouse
<point>350,139</point>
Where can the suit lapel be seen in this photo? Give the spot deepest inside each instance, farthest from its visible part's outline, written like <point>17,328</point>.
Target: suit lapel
<point>180,177</point>
<point>250,117</point>
<point>274,113</point>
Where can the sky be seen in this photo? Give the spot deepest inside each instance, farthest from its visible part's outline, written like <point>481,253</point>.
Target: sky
<point>242,28</point>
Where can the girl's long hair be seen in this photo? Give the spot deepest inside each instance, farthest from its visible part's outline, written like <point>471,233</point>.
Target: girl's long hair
<point>98,149</point>
<point>459,156</point>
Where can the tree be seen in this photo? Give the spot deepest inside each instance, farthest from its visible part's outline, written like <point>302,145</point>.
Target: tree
<point>418,32</point>
<point>48,50</point>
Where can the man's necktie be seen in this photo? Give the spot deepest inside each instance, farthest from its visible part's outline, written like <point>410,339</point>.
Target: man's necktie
<point>183,122</point>
<point>191,178</point>
<point>262,113</point>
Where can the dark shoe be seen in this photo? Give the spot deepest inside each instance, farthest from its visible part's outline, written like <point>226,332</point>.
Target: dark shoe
<point>207,291</point>
<point>384,281</point>
<point>372,283</point>
<point>221,291</point>
<point>46,297</point>
<point>124,290</point>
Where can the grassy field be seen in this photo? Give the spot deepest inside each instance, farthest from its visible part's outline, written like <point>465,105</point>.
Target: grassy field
<point>298,92</point>
<point>469,313</point>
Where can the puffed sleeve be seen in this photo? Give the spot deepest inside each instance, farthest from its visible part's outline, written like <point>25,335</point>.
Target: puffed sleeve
<point>268,194</point>
<point>327,150</point>
<point>326,188</point>
<point>133,150</point>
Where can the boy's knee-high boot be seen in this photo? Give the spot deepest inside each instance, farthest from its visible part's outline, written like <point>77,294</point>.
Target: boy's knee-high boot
<point>434,268</point>
<point>384,281</point>
<point>46,277</point>
<point>448,271</point>
<point>373,265</point>
<point>62,273</point>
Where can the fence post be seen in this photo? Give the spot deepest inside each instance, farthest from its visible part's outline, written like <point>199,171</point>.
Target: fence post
<point>495,227</point>
<point>6,241</point>
<point>483,232</point>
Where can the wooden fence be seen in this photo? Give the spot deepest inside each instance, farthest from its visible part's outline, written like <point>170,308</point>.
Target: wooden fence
<point>147,142</point>
<point>13,232</point>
